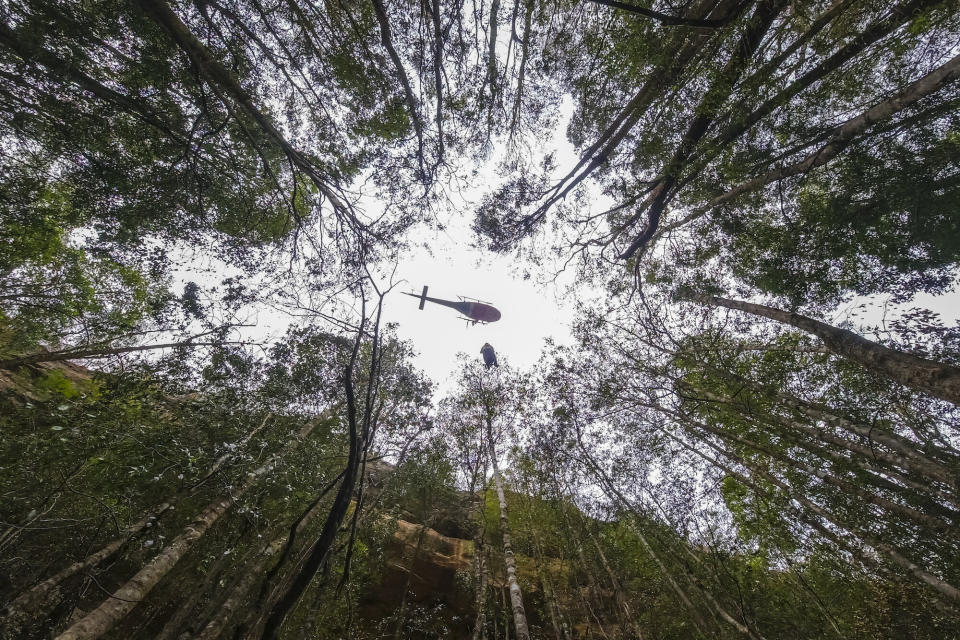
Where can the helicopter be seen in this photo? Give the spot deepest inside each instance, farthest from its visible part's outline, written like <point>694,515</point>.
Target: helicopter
<point>473,310</point>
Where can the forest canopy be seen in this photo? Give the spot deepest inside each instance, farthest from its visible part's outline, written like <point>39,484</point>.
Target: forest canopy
<point>209,428</point>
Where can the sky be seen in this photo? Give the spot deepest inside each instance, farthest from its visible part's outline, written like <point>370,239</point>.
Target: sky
<point>531,312</point>
<point>452,263</point>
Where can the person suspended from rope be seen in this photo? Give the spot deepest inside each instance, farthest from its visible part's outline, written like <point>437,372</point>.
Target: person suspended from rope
<point>489,355</point>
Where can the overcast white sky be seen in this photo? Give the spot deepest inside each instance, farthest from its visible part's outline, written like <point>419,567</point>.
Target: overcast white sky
<point>532,310</point>
<point>449,263</point>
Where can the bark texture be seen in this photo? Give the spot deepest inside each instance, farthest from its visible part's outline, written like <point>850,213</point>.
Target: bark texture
<point>936,378</point>
<point>125,599</point>
<point>516,596</point>
<point>845,133</point>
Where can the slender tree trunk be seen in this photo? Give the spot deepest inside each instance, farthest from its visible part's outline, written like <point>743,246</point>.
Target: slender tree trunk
<point>174,626</point>
<point>491,75</point>
<point>592,587</point>
<point>479,625</point>
<point>686,47</point>
<point>320,549</point>
<point>945,589</point>
<point>618,592</point>
<point>516,596</point>
<point>845,486</point>
<point>875,31</point>
<point>518,99</point>
<point>549,596</point>
<point>216,626</point>
<point>936,378</point>
<point>707,111</point>
<point>111,611</point>
<point>59,66</point>
<point>433,8</point>
<point>219,75</point>
<point>845,134</point>
<point>402,608</point>
<point>387,40</point>
<point>36,600</point>
<point>33,601</point>
<point>663,18</point>
<point>615,494</point>
<point>96,352</point>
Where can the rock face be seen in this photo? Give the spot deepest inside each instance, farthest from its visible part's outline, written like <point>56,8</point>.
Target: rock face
<point>37,381</point>
<point>434,571</point>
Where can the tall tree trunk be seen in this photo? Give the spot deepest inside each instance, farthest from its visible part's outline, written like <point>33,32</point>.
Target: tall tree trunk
<point>81,353</point>
<point>387,40</point>
<point>846,486</point>
<point>707,111</point>
<point>207,65</point>
<point>226,611</point>
<point>319,551</point>
<point>524,47</point>
<point>618,592</point>
<point>516,596</point>
<point>950,592</point>
<point>549,596</point>
<point>34,601</point>
<point>174,626</point>
<point>130,594</point>
<point>916,463</point>
<point>685,48</point>
<point>481,568</point>
<point>845,133</point>
<point>936,378</point>
<point>874,32</point>
<point>402,608</point>
<point>615,494</point>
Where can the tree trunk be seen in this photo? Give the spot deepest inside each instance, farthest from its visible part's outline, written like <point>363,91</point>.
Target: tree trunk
<point>479,625</point>
<point>936,378</point>
<point>549,597</point>
<point>685,48</point>
<point>663,18</point>
<point>32,602</point>
<point>845,133</point>
<point>320,549</point>
<point>614,494</point>
<point>707,111</point>
<point>945,589</point>
<point>516,597</point>
<point>387,40</point>
<point>618,592</point>
<point>209,66</point>
<point>402,608</point>
<point>35,600</point>
<point>129,595</point>
<point>95,352</point>
<point>845,486</point>
<point>902,454</point>
<point>871,34</point>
